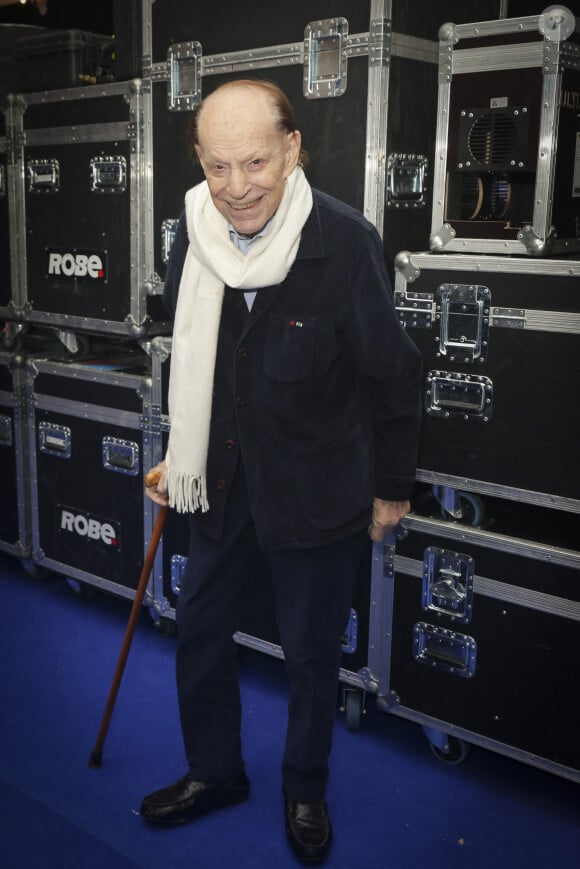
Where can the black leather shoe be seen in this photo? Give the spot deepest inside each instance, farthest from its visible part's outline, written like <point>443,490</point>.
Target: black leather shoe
<point>187,799</point>
<point>308,829</point>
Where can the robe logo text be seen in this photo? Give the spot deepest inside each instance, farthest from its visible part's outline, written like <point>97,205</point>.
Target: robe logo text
<point>77,264</point>
<point>89,527</point>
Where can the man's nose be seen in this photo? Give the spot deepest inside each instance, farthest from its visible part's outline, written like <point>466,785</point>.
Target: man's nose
<point>238,183</point>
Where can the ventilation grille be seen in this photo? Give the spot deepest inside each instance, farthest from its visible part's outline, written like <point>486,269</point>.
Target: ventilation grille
<point>492,138</point>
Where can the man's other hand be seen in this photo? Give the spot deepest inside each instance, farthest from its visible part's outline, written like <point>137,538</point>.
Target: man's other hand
<point>386,516</point>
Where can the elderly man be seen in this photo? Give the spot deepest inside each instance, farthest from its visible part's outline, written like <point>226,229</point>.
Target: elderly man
<point>294,406</point>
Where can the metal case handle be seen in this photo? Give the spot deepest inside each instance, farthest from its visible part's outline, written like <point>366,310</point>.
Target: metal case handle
<point>121,456</point>
<point>444,650</point>
<point>450,394</point>
<point>43,176</point>
<point>108,174</point>
<point>54,440</point>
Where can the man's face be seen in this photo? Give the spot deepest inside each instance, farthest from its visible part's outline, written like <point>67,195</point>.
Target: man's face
<point>245,158</point>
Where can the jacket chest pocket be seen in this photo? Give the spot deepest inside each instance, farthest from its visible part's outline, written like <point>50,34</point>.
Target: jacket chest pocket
<point>297,348</point>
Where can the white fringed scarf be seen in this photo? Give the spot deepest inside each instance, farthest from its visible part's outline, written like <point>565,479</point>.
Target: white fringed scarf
<point>213,262</point>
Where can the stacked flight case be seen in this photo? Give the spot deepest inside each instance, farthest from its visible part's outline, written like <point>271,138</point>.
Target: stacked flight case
<point>89,441</point>
<point>14,522</point>
<point>484,601</point>
<point>362,80</point>
<point>86,264</point>
<point>76,300</point>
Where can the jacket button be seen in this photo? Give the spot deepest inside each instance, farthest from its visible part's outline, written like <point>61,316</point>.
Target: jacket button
<point>242,352</point>
<point>221,484</point>
<point>230,444</point>
<point>240,400</point>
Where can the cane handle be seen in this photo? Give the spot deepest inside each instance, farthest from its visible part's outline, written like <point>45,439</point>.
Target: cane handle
<point>151,479</point>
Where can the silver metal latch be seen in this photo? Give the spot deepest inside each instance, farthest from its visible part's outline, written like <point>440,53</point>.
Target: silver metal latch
<point>463,310</point>
<point>325,60</point>
<point>184,86</point>
<point>448,583</point>
<point>415,309</point>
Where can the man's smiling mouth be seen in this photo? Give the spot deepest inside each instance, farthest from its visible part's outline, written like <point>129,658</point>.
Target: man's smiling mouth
<point>244,207</point>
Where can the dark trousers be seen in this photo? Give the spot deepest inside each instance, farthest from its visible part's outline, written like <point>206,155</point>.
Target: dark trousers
<point>313,591</point>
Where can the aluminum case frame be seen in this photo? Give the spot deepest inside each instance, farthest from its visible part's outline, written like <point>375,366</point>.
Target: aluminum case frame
<point>531,314</point>
<point>46,124</point>
<point>15,534</point>
<point>88,442</point>
<point>500,676</point>
<point>389,150</point>
<point>549,52</point>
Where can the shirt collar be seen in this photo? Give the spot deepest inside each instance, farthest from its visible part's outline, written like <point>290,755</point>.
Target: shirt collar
<point>243,242</point>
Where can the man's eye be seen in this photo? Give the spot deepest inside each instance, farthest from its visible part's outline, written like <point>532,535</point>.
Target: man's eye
<point>257,162</point>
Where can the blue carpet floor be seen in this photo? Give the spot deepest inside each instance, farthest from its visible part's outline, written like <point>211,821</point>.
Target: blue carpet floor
<point>392,803</point>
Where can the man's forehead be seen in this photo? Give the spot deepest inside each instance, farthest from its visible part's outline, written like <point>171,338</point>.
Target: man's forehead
<point>239,108</point>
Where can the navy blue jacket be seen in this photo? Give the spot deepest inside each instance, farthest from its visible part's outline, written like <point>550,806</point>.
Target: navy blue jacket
<point>317,388</point>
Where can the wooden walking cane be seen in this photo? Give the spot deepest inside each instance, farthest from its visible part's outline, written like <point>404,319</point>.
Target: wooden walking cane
<point>97,752</point>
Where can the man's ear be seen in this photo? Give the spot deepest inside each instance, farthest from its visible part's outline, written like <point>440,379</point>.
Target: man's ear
<point>294,143</point>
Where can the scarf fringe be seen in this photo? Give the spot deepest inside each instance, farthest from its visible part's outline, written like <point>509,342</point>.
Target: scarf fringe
<point>186,493</point>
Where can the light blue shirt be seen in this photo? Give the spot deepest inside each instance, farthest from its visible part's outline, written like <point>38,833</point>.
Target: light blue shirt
<point>244,243</point>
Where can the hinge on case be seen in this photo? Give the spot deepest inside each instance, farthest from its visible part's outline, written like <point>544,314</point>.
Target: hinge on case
<point>415,309</point>
<point>508,318</point>
<point>380,35</point>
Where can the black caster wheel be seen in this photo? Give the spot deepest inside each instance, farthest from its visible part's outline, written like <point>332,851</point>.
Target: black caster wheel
<point>81,589</point>
<point>353,709</point>
<point>82,350</point>
<point>454,752</point>
<point>35,571</point>
<point>166,627</point>
<point>472,510</point>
